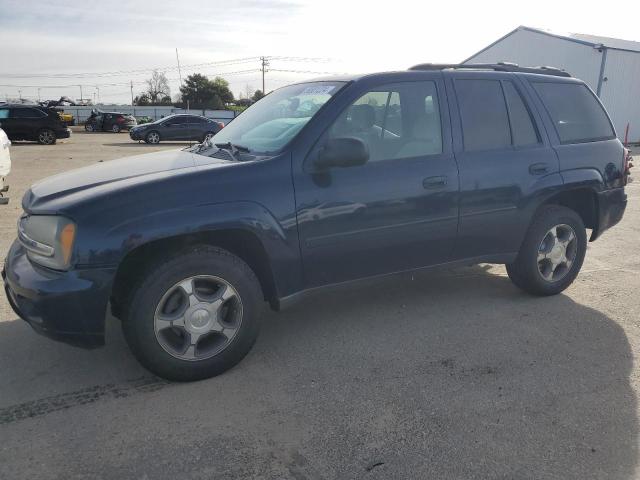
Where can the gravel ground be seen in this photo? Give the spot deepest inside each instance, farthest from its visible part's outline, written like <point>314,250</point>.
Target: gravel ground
<point>448,374</point>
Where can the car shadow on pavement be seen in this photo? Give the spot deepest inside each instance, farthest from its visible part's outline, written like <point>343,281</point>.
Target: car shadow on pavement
<point>452,374</point>
<point>458,375</point>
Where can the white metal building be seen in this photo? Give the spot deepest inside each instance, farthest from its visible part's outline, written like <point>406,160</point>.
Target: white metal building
<point>611,67</point>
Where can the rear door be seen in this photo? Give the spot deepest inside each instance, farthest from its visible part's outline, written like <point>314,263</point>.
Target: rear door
<point>505,160</point>
<point>198,127</point>
<point>25,121</point>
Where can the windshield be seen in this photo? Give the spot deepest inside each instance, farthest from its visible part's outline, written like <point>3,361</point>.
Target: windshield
<point>269,124</point>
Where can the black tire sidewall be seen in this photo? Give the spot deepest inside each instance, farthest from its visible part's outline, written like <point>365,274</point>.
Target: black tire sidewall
<point>524,272</point>
<point>138,325</point>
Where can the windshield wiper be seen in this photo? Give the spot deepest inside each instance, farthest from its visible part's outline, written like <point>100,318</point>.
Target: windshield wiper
<point>232,148</point>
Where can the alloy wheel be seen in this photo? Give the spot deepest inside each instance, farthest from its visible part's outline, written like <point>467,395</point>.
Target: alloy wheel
<point>557,252</point>
<point>198,317</point>
<point>46,137</point>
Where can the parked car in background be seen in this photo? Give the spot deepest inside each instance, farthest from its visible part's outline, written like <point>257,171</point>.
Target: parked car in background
<point>109,122</point>
<point>180,126</point>
<point>144,119</point>
<point>317,184</point>
<point>32,122</point>
<point>5,166</point>
<point>66,117</point>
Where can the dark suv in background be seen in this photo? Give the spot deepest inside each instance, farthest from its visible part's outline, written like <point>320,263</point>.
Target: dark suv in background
<point>181,126</point>
<point>316,184</point>
<point>32,122</point>
<point>109,122</point>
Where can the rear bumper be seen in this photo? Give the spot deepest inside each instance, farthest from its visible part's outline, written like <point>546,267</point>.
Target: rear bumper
<point>65,306</point>
<point>611,206</point>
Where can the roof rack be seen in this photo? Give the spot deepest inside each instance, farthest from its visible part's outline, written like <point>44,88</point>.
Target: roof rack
<point>498,67</point>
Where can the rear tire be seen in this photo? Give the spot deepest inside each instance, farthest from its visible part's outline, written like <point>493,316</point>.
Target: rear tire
<point>115,128</point>
<point>552,252</point>
<point>207,135</point>
<point>200,342</point>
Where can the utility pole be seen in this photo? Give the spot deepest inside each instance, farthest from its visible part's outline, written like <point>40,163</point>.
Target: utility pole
<point>264,64</point>
<point>38,94</point>
<point>20,95</point>
<point>80,93</point>
<point>179,72</point>
<point>98,89</point>
<point>132,93</point>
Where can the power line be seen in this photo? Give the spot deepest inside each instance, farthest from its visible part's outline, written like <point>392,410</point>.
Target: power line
<point>219,63</point>
<point>128,72</point>
<point>142,82</point>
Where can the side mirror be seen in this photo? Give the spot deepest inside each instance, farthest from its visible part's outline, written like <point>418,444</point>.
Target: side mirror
<point>342,152</point>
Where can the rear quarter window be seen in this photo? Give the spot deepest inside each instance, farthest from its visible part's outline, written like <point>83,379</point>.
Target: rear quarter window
<point>575,111</point>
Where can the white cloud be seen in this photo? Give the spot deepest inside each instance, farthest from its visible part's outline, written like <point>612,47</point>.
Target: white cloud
<point>359,36</point>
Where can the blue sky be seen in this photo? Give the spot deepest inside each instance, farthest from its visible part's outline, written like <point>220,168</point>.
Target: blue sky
<point>46,37</point>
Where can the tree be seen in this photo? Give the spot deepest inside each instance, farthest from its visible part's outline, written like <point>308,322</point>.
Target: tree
<point>157,87</point>
<point>257,95</point>
<point>141,100</point>
<point>200,92</point>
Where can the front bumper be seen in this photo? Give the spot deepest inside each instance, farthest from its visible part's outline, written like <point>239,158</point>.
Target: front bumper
<point>611,206</point>
<point>136,134</point>
<point>65,306</point>
<point>64,133</point>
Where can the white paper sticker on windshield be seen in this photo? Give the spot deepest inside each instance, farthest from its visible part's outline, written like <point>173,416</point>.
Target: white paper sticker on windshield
<point>318,90</point>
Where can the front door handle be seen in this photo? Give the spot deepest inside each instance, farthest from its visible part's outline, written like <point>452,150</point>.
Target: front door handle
<point>434,182</point>
<point>538,168</point>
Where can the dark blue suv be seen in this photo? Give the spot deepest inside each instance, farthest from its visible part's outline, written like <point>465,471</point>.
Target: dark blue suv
<point>319,183</point>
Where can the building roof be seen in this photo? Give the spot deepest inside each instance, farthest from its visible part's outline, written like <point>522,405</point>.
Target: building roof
<point>585,39</point>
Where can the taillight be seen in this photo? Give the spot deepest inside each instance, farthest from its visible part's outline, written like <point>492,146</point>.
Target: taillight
<point>220,124</point>
<point>120,120</point>
<point>627,165</point>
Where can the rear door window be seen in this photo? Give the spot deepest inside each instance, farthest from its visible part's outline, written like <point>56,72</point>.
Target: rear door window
<point>483,111</point>
<point>27,113</point>
<point>575,111</point>
<point>523,130</point>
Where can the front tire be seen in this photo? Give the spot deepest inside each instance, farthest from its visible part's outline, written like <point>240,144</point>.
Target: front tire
<point>152,138</point>
<point>552,253</point>
<point>194,316</point>
<point>46,136</point>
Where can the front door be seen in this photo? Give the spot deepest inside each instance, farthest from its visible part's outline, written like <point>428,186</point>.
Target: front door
<point>176,128</point>
<point>400,209</point>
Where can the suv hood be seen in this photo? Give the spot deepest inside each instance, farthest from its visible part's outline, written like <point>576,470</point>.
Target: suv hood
<point>75,181</point>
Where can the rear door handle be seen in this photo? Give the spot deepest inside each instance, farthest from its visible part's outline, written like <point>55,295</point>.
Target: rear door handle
<point>434,182</point>
<point>538,168</point>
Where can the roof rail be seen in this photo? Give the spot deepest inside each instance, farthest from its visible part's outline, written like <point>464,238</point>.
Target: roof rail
<point>498,67</point>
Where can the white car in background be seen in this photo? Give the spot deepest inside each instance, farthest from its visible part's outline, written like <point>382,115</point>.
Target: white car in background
<point>5,165</point>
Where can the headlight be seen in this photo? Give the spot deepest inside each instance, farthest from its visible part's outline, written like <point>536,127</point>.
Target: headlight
<point>48,239</point>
